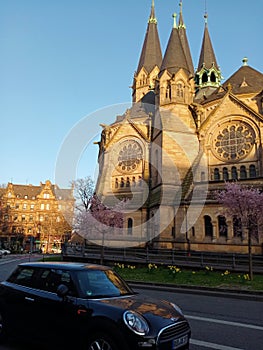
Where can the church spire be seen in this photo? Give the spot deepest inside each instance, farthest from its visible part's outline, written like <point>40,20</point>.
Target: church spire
<point>208,73</point>
<point>184,40</point>
<point>151,54</point>
<point>150,60</point>
<point>175,57</point>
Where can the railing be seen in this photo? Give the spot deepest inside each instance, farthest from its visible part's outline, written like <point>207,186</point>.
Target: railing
<point>142,256</point>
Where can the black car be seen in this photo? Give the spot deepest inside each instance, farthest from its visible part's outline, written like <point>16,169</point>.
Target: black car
<point>88,306</point>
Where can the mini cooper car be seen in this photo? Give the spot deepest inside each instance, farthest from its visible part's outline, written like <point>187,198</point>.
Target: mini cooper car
<point>89,306</point>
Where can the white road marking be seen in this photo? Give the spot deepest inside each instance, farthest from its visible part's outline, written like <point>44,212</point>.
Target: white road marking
<point>229,323</point>
<point>212,345</point>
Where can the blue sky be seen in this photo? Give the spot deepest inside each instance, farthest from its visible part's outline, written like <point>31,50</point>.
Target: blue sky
<point>64,62</point>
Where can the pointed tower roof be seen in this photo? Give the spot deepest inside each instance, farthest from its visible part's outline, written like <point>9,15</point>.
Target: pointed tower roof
<point>207,56</point>
<point>174,57</point>
<point>184,40</point>
<point>151,54</point>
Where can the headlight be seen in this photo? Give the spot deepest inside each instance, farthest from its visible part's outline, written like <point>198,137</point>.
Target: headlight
<point>135,322</point>
<point>176,307</point>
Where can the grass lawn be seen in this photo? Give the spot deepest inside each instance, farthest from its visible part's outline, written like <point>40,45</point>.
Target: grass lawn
<point>174,275</point>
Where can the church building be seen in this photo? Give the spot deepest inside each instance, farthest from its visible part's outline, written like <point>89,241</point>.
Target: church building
<point>185,135</point>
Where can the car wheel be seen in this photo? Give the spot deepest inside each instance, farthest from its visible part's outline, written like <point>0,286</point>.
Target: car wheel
<point>101,341</point>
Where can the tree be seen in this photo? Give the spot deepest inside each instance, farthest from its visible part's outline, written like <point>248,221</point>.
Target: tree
<point>84,190</point>
<point>246,205</point>
<point>100,220</point>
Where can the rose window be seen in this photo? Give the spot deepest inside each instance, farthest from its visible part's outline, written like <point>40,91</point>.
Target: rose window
<point>234,141</point>
<point>130,156</point>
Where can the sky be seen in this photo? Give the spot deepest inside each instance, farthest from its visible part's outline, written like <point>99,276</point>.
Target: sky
<point>67,65</point>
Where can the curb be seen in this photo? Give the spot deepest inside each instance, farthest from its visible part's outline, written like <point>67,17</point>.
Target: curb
<point>200,290</point>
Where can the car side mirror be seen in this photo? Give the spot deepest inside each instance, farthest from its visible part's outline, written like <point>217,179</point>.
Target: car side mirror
<point>62,290</point>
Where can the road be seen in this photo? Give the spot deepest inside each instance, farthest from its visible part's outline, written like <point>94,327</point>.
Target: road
<point>217,322</point>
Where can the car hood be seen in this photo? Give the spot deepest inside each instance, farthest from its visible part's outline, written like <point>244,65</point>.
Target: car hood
<point>152,309</point>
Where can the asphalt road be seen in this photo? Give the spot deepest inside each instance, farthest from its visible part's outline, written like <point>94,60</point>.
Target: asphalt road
<point>217,322</point>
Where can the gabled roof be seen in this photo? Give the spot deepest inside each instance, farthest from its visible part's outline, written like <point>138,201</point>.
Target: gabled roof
<point>207,56</point>
<point>245,80</point>
<point>151,54</point>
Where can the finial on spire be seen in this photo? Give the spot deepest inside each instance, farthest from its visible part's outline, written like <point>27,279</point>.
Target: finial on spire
<point>206,14</point>
<point>181,6</point>
<point>152,18</point>
<point>245,60</point>
<point>174,17</point>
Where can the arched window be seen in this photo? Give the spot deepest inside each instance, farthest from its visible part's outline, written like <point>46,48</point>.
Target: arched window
<point>179,90</point>
<point>243,172</point>
<point>204,78</point>
<point>252,170</point>
<point>130,226</point>
<point>128,184</point>
<point>213,77</point>
<point>225,174</point>
<point>216,174</point>
<point>234,173</point>
<point>168,93</point>
<point>222,226</point>
<point>237,227</point>
<point>208,226</point>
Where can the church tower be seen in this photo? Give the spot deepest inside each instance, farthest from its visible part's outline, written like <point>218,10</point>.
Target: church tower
<point>149,62</point>
<point>208,75</point>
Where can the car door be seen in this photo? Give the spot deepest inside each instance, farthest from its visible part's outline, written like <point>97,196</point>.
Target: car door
<point>56,316</point>
<point>19,301</point>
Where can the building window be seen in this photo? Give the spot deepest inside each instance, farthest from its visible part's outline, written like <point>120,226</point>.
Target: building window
<point>23,218</point>
<point>202,176</point>
<point>42,206</point>
<point>216,174</point>
<point>222,226</point>
<point>168,93</point>
<point>24,206</point>
<point>234,173</point>
<point>32,206</point>
<point>225,174</point>
<point>237,227</point>
<point>243,172</point>
<point>179,90</point>
<point>46,195</point>
<point>41,218</point>
<point>130,226</point>
<point>47,206</point>
<point>30,217</point>
<point>208,226</point>
<point>252,171</point>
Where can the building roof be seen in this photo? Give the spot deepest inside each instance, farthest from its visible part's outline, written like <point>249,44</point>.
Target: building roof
<point>184,40</point>
<point>151,54</point>
<point>245,80</point>
<point>174,57</point>
<point>207,56</point>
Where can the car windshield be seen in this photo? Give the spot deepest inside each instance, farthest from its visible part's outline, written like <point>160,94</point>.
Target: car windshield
<point>102,284</point>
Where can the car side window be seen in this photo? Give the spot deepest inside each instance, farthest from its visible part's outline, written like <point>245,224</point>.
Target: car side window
<point>50,279</point>
<point>23,276</point>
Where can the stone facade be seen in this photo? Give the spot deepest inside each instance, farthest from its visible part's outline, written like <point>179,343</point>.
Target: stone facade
<point>184,136</point>
<point>35,217</point>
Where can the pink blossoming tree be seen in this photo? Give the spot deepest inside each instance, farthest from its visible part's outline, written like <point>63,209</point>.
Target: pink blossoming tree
<point>245,204</point>
<point>100,223</point>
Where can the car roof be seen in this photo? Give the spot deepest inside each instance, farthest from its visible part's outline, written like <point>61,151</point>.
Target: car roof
<point>64,265</point>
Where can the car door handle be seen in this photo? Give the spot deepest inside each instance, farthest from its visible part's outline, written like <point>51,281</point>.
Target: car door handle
<point>29,299</point>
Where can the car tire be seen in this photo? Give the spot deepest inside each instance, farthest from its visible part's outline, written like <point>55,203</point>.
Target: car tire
<point>101,341</point>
